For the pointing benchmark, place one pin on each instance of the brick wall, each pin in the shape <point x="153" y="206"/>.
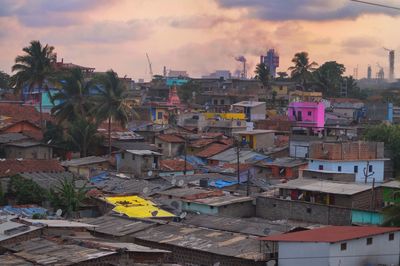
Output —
<point x="356" y="150"/>
<point x="281" y="209"/>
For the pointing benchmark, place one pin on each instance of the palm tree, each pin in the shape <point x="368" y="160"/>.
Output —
<point x="73" y="97"/>
<point x="301" y="71"/>
<point x="68" y="196"/>
<point x="83" y="134"/>
<point x="33" y="68"/>
<point x="110" y="102"/>
<point x="262" y="74"/>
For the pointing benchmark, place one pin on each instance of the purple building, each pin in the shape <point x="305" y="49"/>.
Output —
<point x="307" y="114"/>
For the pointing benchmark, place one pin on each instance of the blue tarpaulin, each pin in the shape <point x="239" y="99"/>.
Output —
<point x="23" y="211"/>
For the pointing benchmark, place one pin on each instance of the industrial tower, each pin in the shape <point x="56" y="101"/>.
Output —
<point x="391" y="63"/>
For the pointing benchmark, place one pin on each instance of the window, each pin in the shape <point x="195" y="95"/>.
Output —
<point x="215" y="102"/>
<point x="294" y="113"/>
<point x="309" y="113"/>
<point x="343" y="246"/>
<point x="369" y="241"/>
<point x="160" y="145"/>
<point x="159" y="115"/>
<point x="222" y="102"/>
<point x="370" y="168"/>
<point x="339" y="168"/>
<point x="211" y="207"/>
<point x="309" y="210"/>
<point x="355" y="168"/>
<point x="391" y="236"/>
<point x="123" y="155"/>
<point x="320" y="167"/>
<point x="133" y="157"/>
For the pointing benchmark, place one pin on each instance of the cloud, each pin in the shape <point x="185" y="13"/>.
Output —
<point x="46" y="13"/>
<point x="308" y="9"/>
<point x="358" y="44"/>
<point x="199" y="22"/>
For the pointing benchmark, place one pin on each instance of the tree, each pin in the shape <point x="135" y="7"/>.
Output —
<point x="188" y="90"/>
<point x="262" y="74"/>
<point x="353" y="90"/>
<point x="67" y="196"/>
<point x="302" y="69"/>
<point x="110" y="102"/>
<point x="25" y="191"/>
<point x="391" y="215"/>
<point x="4" y="80"/>
<point x="83" y="134"/>
<point x="329" y="76"/>
<point x="390" y="135"/>
<point x="73" y="97"/>
<point x="33" y="68"/>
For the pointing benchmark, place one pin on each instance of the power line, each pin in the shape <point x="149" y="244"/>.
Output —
<point x="376" y="4"/>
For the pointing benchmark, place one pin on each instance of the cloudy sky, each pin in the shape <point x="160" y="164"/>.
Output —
<point x="200" y="36"/>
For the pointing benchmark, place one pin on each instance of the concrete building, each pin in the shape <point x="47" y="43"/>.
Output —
<point x="307" y="114"/>
<point x="227" y="127"/>
<point x="138" y="162"/>
<point x="253" y="110"/>
<point x="280" y="168"/>
<point x="219" y="74"/>
<point x="337" y="245"/>
<point x="256" y="139"/>
<point x="170" y="144"/>
<point x="28" y="150"/>
<point x="364" y="159"/>
<point x="87" y="166"/>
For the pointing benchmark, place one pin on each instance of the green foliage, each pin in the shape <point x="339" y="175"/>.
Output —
<point x="391" y="215"/>
<point x="25" y="191"/>
<point x="33" y="67"/>
<point x="110" y="102"/>
<point x="262" y="74"/>
<point x="329" y="76"/>
<point x="67" y="196"/>
<point x="302" y="69"/>
<point x="2" y="196"/>
<point x="390" y="135"/>
<point x="82" y="134"/>
<point x="353" y="90"/>
<point x="186" y="91"/>
<point x="73" y="97"/>
<point x="37" y="216"/>
<point x="4" y="80"/>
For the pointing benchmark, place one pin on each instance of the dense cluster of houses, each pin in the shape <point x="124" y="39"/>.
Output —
<point x="235" y="178"/>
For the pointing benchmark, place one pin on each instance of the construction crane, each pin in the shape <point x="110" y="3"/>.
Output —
<point x="391" y="63"/>
<point x="150" y="68"/>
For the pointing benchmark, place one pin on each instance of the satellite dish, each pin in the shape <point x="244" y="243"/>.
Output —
<point x="180" y="183"/>
<point x="173" y="181"/>
<point x="150" y="173"/>
<point x="7" y="171"/>
<point x="49" y="141"/>
<point x="59" y="213"/>
<point x="145" y="190"/>
<point x="183" y="215"/>
<point x="154" y="213"/>
<point x="266" y="231"/>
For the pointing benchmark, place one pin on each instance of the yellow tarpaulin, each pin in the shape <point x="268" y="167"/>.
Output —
<point x="137" y="207"/>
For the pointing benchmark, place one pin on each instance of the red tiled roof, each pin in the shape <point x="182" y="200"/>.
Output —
<point x="170" y="138"/>
<point x="18" y="112"/>
<point x="213" y="149"/>
<point x="331" y="234"/>
<point x="12" y="166"/>
<point x="198" y="143"/>
<point x="227" y="141"/>
<point x="175" y="165"/>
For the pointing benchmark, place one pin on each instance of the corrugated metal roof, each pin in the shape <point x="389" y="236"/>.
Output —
<point x="325" y="186"/>
<point x="137" y="207"/>
<point x="143" y="152"/>
<point x="84" y="161"/>
<point x="332" y="234"/>
<point x="229" y="156"/>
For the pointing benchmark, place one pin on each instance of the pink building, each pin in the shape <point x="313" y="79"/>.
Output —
<point x="307" y="114"/>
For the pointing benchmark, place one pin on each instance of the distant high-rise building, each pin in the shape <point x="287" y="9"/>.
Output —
<point x="271" y="60"/>
<point x="391" y="65"/>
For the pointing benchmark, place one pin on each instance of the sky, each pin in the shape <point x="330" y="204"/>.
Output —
<point x="201" y="36"/>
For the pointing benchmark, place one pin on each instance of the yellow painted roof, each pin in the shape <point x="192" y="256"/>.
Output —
<point x="137" y="207"/>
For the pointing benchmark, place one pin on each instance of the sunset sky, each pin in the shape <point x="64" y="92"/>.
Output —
<point x="200" y="36"/>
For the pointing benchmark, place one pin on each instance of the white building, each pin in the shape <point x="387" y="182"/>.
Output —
<point x="337" y="245"/>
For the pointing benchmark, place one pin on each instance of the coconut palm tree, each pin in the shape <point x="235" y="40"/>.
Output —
<point x="262" y="74"/>
<point x="110" y="102"/>
<point x="301" y="71"/>
<point x="33" y="68"/>
<point x="73" y="97"/>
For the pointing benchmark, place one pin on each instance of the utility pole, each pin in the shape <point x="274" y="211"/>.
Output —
<point x="367" y="174"/>
<point x="238" y="161"/>
<point x="248" y="182"/>
<point x="185" y="156"/>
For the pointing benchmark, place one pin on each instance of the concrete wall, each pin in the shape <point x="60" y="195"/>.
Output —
<point x="298" y="148"/>
<point x="348" y="168"/>
<point x="380" y="252"/>
<point x="258" y="112"/>
<point x="136" y="164"/>
<point x="343" y="177"/>
<point x="264" y="140"/>
<point x="240" y="209"/>
<point x="280" y="209"/>
<point x="36" y="152"/>
<point x="312" y="114"/>
<point x="301" y="253"/>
